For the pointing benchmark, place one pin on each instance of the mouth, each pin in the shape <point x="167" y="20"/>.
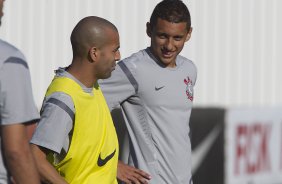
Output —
<point x="167" y="54"/>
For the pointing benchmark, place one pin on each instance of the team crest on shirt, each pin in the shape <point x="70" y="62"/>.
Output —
<point x="189" y="88"/>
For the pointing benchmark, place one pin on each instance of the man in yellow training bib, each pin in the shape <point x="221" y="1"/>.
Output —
<point x="75" y="140"/>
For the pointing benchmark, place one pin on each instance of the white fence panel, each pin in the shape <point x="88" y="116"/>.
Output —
<point x="236" y="44"/>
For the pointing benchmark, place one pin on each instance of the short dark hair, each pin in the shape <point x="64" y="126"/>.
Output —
<point x="172" y="11"/>
<point x="90" y="31"/>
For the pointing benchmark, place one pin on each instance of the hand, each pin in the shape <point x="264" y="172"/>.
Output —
<point x="129" y="175"/>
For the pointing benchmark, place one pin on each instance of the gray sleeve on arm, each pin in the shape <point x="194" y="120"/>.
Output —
<point x="56" y="122"/>
<point x="16" y="99"/>
<point x="119" y="87"/>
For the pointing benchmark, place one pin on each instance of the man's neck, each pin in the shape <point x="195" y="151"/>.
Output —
<point x="82" y="73"/>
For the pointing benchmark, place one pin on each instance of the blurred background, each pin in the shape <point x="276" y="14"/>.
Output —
<point x="236" y="46"/>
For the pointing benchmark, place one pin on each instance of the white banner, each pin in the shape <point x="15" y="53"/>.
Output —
<point x="253" y="146"/>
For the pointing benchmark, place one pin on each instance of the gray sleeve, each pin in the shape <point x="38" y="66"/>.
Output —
<point x="16" y="98"/>
<point x="57" y="116"/>
<point x="118" y="87"/>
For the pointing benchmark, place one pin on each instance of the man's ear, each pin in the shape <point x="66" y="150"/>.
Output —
<point x="188" y="36"/>
<point x="93" y="54"/>
<point x="148" y="29"/>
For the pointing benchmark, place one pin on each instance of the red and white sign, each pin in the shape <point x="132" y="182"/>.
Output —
<point x="253" y="146"/>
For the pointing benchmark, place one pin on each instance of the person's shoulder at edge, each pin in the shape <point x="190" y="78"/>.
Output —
<point x="8" y="50"/>
<point x="7" y="45"/>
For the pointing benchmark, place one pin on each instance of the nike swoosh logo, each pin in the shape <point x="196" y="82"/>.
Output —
<point x="201" y="151"/>
<point x="101" y="162"/>
<point x="158" y="88"/>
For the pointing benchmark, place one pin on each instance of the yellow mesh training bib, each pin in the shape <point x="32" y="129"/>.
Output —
<point x="93" y="153"/>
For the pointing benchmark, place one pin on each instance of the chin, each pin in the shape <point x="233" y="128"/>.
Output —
<point x="106" y="76"/>
<point x="167" y="62"/>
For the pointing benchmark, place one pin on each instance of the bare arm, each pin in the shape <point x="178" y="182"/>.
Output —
<point x="47" y="172"/>
<point x="30" y="128"/>
<point x="129" y="174"/>
<point x="18" y="155"/>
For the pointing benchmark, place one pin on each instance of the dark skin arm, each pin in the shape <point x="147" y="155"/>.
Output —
<point x="129" y="175"/>
<point x="17" y="153"/>
<point x="48" y="174"/>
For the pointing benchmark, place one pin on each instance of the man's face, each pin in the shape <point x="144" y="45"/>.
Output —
<point x="1" y="9"/>
<point x="167" y="40"/>
<point x="108" y="55"/>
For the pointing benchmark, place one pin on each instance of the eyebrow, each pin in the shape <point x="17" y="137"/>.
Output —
<point x="165" y="34"/>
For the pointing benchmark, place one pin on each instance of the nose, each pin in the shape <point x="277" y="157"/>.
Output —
<point x="117" y="56"/>
<point x="169" y="44"/>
